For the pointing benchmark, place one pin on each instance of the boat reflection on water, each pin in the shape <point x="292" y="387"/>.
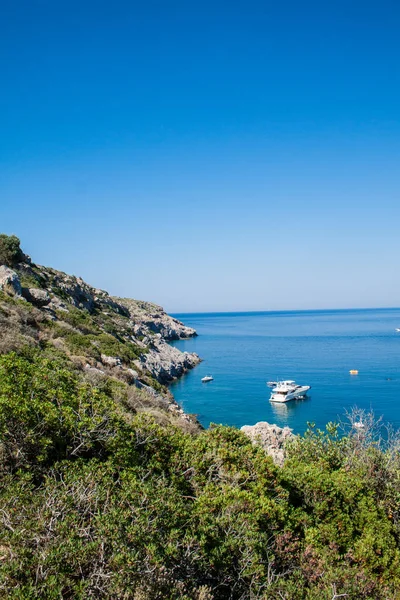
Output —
<point x="281" y="409"/>
<point x="285" y="409"/>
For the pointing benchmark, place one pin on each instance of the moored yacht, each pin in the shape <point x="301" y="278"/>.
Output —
<point x="207" y="378"/>
<point x="288" y="390"/>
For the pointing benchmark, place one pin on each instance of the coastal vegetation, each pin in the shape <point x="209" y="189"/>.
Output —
<point x="108" y="491"/>
<point x="100" y="500"/>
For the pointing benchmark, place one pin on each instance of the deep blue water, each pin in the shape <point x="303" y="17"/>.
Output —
<point x="244" y="350"/>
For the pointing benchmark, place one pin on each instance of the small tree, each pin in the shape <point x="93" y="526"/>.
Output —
<point x="10" y="250"/>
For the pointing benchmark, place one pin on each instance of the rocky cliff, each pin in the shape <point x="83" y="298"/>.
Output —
<point x="106" y="336"/>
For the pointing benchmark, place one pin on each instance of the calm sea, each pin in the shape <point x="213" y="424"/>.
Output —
<point x="242" y="351"/>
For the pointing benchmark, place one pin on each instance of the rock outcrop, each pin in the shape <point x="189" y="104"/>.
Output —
<point x="9" y="282"/>
<point x="270" y="437"/>
<point x="167" y="363"/>
<point x="153" y="318"/>
<point x="36" y="296"/>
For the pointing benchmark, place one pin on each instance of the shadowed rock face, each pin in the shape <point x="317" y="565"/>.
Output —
<point x="270" y="437"/>
<point x="36" y="297"/>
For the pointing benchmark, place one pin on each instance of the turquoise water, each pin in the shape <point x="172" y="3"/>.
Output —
<point x="244" y="350"/>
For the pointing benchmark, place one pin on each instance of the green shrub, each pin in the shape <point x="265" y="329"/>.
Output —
<point x="80" y="344"/>
<point x="111" y="346"/>
<point x="46" y="414"/>
<point x="10" y="250"/>
<point x="80" y="319"/>
<point x="29" y="280"/>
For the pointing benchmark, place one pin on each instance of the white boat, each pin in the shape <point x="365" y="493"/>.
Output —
<point x="271" y="383"/>
<point x="397" y="329"/>
<point x="288" y="390"/>
<point x="207" y="378"/>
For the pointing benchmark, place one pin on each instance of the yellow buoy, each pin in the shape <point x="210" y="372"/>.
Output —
<point x="353" y="372"/>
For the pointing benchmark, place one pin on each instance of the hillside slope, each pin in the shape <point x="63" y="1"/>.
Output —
<point x="102" y="335"/>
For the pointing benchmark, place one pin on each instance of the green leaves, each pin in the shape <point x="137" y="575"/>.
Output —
<point x="46" y="414"/>
<point x="10" y="250"/>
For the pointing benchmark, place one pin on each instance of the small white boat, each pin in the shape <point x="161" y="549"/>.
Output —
<point x="207" y="378"/>
<point x="288" y="390"/>
<point x="271" y="383"/>
<point x="397" y="329"/>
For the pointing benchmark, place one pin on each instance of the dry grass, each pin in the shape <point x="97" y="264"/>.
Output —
<point x="13" y="341"/>
<point x="15" y="331"/>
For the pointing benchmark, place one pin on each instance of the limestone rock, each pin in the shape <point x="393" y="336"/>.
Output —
<point x="78" y="294"/>
<point x="57" y="304"/>
<point x="93" y="370"/>
<point x="151" y="317"/>
<point x="36" y="296"/>
<point x="9" y="282"/>
<point x="167" y="363"/>
<point x="270" y="437"/>
<point x="134" y="374"/>
<point x="111" y="361"/>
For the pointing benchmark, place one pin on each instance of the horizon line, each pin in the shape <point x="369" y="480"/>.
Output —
<point x="305" y="310"/>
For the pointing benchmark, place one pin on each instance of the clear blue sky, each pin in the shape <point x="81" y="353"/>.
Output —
<point x="206" y="156"/>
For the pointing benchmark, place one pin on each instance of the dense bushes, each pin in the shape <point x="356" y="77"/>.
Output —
<point x="97" y="502"/>
<point x="59" y="417"/>
<point x="86" y="339"/>
<point x="10" y="250"/>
